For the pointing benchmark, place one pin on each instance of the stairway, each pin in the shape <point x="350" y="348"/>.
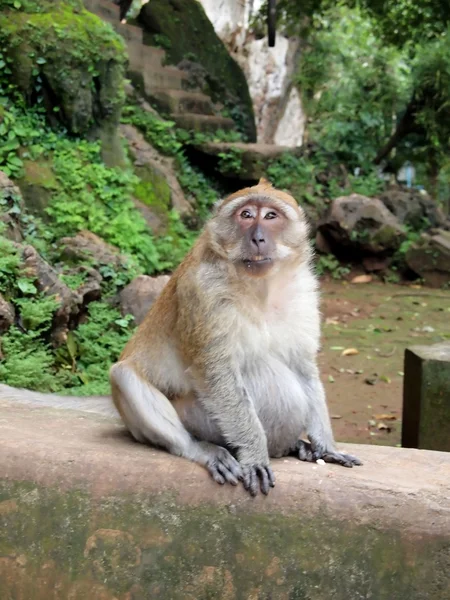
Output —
<point x="162" y="85"/>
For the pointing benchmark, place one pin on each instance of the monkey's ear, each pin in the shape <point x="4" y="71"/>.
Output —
<point x="263" y="181"/>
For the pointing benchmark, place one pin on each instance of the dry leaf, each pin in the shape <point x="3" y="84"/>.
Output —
<point x="362" y="279"/>
<point x="350" y="352"/>
<point x="383" y="427"/>
<point x="385" y="417"/>
<point x="336" y="416"/>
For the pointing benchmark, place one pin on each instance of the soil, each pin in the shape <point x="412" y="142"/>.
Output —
<point x="364" y="390"/>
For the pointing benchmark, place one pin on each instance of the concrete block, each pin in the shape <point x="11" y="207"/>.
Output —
<point x="426" y="397"/>
<point x="86" y="513"/>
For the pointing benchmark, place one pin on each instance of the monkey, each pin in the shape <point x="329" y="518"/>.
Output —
<point x="223" y="369"/>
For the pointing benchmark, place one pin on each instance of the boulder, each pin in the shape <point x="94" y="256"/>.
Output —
<point x="158" y="190"/>
<point x="430" y="258"/>
<point x="48" y="282"/>
<point x="412" y="207"/>
<point x="77" y="61"/>
<point x="7" y="315"/>
<point x="361" y="224"/>
<point x="138" y="296"/>
<point x="11" y="205"/>
<point x="85" y="246"/>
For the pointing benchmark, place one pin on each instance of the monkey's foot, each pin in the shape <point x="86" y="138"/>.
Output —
<point x="306" y="452"/>
<point x="222" y="466"/>
<point x="257" y="476"/>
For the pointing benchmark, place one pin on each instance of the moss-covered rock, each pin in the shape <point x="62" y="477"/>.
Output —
<point x="37" y="184"/>
<point x="186" y="32"/>
<point x="67" y="59"/>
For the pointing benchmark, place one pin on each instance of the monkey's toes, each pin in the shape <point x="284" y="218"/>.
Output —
<point x="346" y="460"/>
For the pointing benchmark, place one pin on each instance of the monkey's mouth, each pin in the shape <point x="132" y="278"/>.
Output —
<point x="257" y="261"/>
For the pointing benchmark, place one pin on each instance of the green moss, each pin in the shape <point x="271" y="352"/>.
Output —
<point x="68" y="60"/>
<point x="143" y="546"/>
<point x="153" y="191"/>
<point x="188" y="33"/>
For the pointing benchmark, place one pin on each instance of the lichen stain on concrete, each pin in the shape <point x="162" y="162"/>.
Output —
<point x="72" y="546"/>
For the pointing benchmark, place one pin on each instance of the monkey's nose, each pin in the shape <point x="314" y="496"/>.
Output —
<point x="258" y="241"/>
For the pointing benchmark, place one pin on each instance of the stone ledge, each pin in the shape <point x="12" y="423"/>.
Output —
<point x="77" y="496"/>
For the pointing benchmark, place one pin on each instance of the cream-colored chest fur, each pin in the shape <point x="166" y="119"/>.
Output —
<point x="282" y="322"/>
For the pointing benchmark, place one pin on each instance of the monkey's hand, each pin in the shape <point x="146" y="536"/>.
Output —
<point x="257" y="473"/>
<point x="222" y="466"/>
<point x="310" y="452"/>
<point x="258" y="476"/>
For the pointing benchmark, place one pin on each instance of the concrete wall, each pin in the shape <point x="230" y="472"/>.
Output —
<point x="87" y="514"/>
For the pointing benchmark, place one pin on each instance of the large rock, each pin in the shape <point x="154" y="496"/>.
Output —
<point x="138" y="296"/>
<point x="10" y="209"/>
<point x="86" y="246"/>
<point x="7" y="315"/>
<point x="76" y="58"/>
<point x="87" y="514"/>
<point x="430" y="258"/>
<point x="188" y="33"/>
<point x="413" y="207"/>
<point x="47" y="281"/>
<point x="361" y="224"/>
<point x="158" y="189"/>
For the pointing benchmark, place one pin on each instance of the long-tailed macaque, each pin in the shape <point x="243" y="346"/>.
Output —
<point x="223" y="370"/>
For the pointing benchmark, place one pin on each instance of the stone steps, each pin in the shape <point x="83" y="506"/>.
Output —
<point x="161" y="84"/>
<point x="176" y="101"/>
<point x="254" y="157"/>
<point x="202" y="123"/>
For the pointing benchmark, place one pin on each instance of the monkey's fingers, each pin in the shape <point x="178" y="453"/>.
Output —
<point x="346" y="460"/>
<point x="257" y="477"/>
<point x="223" y="466"/>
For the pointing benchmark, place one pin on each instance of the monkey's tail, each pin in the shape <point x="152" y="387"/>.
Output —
<point x="101" y="405"/>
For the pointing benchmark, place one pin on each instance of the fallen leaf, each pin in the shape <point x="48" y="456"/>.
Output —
<point x="337" y="348"/>
<point x="331" y="378"/>
<point x="362" y="279"/>
<point x="336" y="416"/>
<point x="383" y="427"/>
<point x="349" y="352"/>
<point x="371" y="380"/>
<point x="385" y="417"/>
<point x="332" y="321"/>
<point x="371" y="423"/>
<point x="385" y="379"/>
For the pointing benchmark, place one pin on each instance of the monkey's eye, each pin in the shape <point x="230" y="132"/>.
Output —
<point x="246" y="214"/>
<point x="271" y="215"/>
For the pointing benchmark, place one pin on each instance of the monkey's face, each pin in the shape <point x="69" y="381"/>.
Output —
<point x="261" y="230"/>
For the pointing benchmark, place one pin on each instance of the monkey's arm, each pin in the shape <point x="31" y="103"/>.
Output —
<point x="318" y="426"/>
<point x="225" y="398"/>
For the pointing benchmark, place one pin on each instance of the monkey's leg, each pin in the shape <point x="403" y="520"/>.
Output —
<point x="318" y="428"/>
<point x="150" y="417"/>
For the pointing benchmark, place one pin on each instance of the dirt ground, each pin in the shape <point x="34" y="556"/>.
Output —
<point x="364" y="389"/>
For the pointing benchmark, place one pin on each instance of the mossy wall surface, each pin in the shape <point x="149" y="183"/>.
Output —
<point x="67" y="59"/>
<point x="188" y="33"/>
<point x="65" y="544"/>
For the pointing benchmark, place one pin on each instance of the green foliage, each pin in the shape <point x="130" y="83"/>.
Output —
<point x="94" y="346"/>
<point x="175" y="244"/>
<point x="316" y="177"/>
<point x="158" y="132"/>
<point x="230" y="161"/>
<point x="169" y="140"/>
<point x="327" y="263"/>
<point x="353" y="85"/>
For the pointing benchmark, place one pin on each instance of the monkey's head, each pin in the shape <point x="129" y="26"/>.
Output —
<point x="260" y="229"/>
